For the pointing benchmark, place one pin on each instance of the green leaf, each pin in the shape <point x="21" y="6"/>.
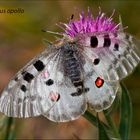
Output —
<point x="3" y="120"/>
<point x="114" y="106"/>
<point x="113" y="131"/>
<point x="10" y="129"/>
<point x="125" y="114"/>
<point x="102" y="131"/>
<point x="93" y="120"/>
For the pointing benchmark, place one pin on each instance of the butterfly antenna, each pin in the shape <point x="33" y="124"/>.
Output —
<point x="121" y="28"/>
<point x="72" y="16"/>
<point x="56" y="37"/>
<point x="51" y="32"/>
<point x="45" y="41"/>
<point x="121" y="25"/>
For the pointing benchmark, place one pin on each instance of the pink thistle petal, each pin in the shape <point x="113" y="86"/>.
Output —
<point x="89" y="24"/>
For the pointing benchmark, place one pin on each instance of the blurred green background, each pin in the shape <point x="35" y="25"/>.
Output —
<point x="21" y="39"/>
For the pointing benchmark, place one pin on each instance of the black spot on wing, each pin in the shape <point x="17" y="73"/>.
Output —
<point x="93" y="41"/>
<point x="107" y="41"/>
<point x="86" y="89"/>
<point x="58" y="98"/>
<point x="80" y="91"/>
<point x="76" y="94"/>
<point x="28" y="77"/>
<point x="78" y="83"/>
<point x="49" y="82"/>
<point x="116" y="47"/>
<point x="23" y="72"/>
<point x="96" y="61"/>
<point x="23" y="88"/>
<point x="39" y="65"/>
<point x="16" y="79"/>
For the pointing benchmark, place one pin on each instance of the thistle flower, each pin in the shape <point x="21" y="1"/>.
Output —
<point x="89" y="24"/>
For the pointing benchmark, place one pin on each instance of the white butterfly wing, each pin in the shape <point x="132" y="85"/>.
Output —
<point x="27" y="95"/>
<point x="101" y="98"/>
<point x="109" y="63"/>
<point x="101" y="93"/>
<point x="41" y="88"/>
<point x="118" y="59"/>
<point x="68" y="107"/>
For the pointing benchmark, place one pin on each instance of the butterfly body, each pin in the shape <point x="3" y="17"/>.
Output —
<point x="72" y="66"/>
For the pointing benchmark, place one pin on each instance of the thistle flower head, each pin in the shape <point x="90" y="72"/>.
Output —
<point x="90" y="24"/>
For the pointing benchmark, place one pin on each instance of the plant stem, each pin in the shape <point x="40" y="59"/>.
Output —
<point x="112" y="126"/>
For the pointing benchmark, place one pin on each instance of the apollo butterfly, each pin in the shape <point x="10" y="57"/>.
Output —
<point x="84" y="66"/>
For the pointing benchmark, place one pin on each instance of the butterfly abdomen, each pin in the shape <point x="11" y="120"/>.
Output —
<point x="72" y="70"/>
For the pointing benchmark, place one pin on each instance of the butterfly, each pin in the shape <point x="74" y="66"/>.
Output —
<point x="71" y="73"/>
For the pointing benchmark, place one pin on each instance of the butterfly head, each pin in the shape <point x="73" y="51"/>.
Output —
<point x="66" y="39"/>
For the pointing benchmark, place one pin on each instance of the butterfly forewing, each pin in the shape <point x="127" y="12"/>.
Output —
<point x="114" y="56"/>
<point x="27" y="94"/>
<point x="108" y="58"/>
<point x="42" y="87"/>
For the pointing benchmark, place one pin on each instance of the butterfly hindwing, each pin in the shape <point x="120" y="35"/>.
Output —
<point x="73" y="103"/>
<point x="69" y="107"/>
<point x="101" y="93"/>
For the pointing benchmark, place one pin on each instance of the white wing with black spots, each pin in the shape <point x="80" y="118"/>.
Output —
<point x="27" y="94"/>
<point x="41" y="88"/>
<point x="68" y="107"/>
<point x="62" y="80"/>
<point x="101" y="93"/>
<point x="114" y="56"/>
<point x="101" y="98"/>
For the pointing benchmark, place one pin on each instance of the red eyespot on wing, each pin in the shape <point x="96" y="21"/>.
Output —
<point x="99" y="82"/>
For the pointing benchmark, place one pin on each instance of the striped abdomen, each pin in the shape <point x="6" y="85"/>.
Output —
<point x="72" y="70"/>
